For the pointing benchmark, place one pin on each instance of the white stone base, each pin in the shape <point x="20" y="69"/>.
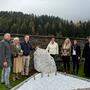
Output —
<point x="54" y="82"/>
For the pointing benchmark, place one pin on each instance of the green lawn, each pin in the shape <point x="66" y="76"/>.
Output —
<point x="3" y="87"/>
<point x="13" y="83"/>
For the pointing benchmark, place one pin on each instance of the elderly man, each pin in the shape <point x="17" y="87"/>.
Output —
<point x="5" y="59"/>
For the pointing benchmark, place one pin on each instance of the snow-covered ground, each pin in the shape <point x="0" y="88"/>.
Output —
<point x="54" y="82"/>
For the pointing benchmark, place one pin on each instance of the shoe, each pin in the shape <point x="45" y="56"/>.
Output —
<point x="2" y="83"/>
<point x="9" y="86"/>
<point x="17" y="78"/>
<point x="14" y="78"/>
<point x="26" y="76"/>
<point x="65" y="73"/>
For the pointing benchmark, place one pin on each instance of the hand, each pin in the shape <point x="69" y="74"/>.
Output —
<point x="15" y="55"/>
<point x="5" y="64"/>
<point x="20" y="54"/>
<point x="78" y="58"/>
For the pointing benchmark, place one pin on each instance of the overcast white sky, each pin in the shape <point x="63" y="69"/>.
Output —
<point x="67" y="9"/>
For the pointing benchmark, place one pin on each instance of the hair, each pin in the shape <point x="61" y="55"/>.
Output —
<point x="16" y="38"/>
<point x="88" y="37"/>
<point x="75" y="40"/>
<point x="26" y="35"/>
<point x="65" y="45"/>
<point x="52" y="36"/>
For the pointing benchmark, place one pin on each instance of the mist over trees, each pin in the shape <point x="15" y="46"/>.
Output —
<point x="19" y="23"/>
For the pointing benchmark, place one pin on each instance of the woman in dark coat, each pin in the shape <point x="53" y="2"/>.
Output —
<point x="86" y="55"/>
<point x="75" y="54"/>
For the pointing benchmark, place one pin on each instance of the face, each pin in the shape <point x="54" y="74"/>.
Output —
<point x="7" y="37"/>
<point x="67" y="41"/>
<point x="53" y="40"/>
<point x="75" y="42"/>
<point x="16" y="42"/>
<point x="89" y="39"/>
<point x="26" y="38"/>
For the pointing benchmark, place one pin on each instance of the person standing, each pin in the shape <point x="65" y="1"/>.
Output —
<point x="86" y="55"/>
<point x="53" y="49"/>
<point x="66" y="53"/>
<point x="17" y="55"/>
<point x="5" y="59"/>
<point x="26" y="47"/>
<point x="75" y="53"/>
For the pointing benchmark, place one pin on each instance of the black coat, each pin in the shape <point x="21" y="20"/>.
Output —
<point x="26" y="47"/>
<point x="86" y="51"/>
<point x="86" y="55"/>
<point x="77" y="49"/>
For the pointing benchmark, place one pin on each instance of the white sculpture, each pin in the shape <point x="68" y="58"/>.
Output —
<point x="43" y="62"/>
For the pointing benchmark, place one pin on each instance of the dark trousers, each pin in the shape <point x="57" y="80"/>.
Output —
<point x="66" y="63"/>
<point x="54" y="56"/>
<point x="75" y="62"/>
<point x="87" y="67"/>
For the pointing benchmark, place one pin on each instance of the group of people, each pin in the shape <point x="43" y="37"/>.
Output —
<point x="20" y="52"/>
<point x="71" y="51"/>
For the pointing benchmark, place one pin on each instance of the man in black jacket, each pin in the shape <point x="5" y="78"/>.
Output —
<point x="75" y="53"/>
<point x="26" y="47"/>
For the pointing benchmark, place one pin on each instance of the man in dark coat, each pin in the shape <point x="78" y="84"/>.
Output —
<point x="86" y="55"/>
<point x="27" y="48"/>
<point x="75" y="53"/>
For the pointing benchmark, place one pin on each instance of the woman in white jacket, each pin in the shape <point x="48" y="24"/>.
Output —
<point x="53" y="48"/>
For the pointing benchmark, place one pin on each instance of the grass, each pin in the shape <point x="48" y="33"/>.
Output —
<point x="14" y="83"/>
